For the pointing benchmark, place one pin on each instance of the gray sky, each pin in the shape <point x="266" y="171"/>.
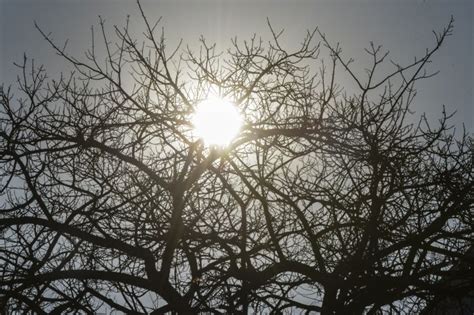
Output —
<point x="404" y="27"/>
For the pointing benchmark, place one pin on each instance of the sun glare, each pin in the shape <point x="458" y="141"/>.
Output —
<point x="216" y="121"/>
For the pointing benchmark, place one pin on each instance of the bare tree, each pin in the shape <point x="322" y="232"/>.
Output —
<point x="327" y="201"/>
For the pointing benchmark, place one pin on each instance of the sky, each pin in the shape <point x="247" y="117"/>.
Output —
<point x="404" y="27"/>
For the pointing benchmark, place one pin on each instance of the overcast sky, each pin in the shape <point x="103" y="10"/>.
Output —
<point x="404" y="27"/>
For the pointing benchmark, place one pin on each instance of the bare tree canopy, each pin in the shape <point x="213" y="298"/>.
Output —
<point x="329" y="200"/>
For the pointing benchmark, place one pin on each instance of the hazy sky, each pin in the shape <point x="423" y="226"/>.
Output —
<point x="402" y="26"/>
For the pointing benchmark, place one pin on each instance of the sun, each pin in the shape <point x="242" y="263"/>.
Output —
<point x="216" y="121"/>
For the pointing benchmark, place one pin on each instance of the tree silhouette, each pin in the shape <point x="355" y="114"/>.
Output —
<point x="327" y="201"/>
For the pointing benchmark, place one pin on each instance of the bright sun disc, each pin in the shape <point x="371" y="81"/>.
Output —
<point x="216" y="122"/>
